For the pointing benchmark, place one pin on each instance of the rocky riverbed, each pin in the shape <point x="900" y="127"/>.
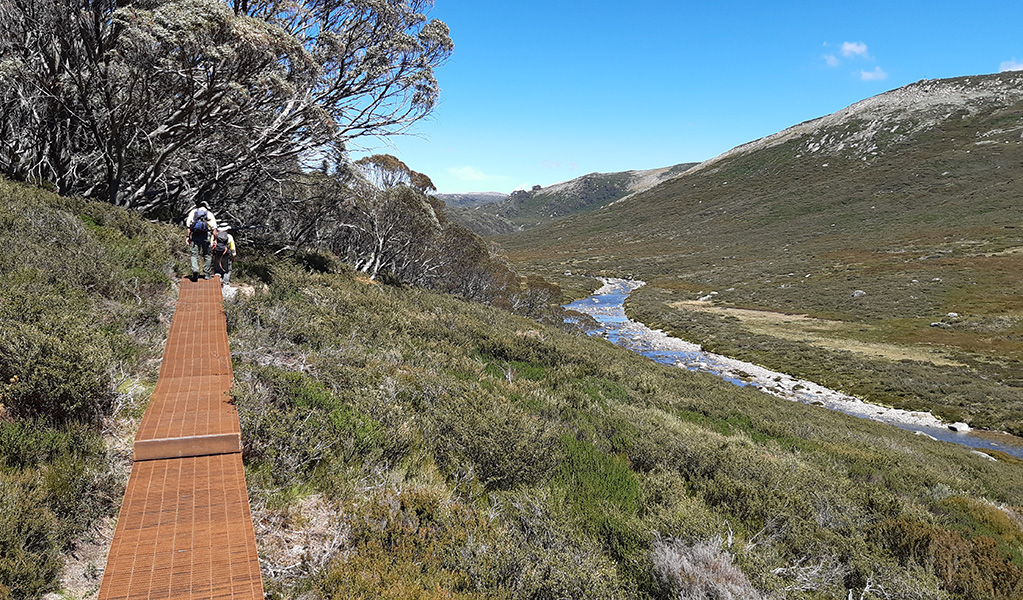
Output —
<point x="606" y="306"/>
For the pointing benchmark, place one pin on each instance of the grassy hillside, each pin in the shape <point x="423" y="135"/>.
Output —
<point x="893" y="226"/>
<point x="405" y="444"/>
<point x="84" y="302"/>
<point x="420" y="447"/>
<point x="471" y="199"/>
<point x="525" y="209"/>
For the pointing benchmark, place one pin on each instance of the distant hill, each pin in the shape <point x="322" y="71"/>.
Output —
<point x="525" y="209"/>
<point x="884" y="219"/>
<point x="471" y="199"/>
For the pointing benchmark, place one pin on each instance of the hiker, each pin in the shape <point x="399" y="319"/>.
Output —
<point x="223" y="255"/>
<point x="202" y="227"/>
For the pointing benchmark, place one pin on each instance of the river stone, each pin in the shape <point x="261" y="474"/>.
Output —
<point x="959" y="427"/>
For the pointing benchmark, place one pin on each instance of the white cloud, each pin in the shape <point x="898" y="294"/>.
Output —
<point x="831" y="60"/>
<point x="877" y="74"/>
<point x="469" y="174"/>
<point x="851" y="49"/>
<point x="1011" y="65"/>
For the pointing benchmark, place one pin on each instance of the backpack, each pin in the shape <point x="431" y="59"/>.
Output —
<point x="222" y="248"/>
<point x="200" y="229"/>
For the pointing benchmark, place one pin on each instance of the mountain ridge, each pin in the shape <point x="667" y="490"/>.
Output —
<point x="524" y="209"/>
<point x="932" y="93"/>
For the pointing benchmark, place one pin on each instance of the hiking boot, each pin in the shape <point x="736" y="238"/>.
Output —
<point x="195" y="275"/>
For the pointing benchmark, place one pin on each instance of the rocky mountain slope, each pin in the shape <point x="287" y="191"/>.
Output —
<point x="525" y="209"/>
<point x="895" y="222"/>
<point x="878" y="124"/>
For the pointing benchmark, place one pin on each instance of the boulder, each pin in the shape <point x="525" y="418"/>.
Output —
<point x="859" y="294"/>
<point x="959" y="427"/>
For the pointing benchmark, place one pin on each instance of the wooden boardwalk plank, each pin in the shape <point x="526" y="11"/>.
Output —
<point x="185" y="531"/>
<point x="185" y="528"/>
<point x="191" y="396"/>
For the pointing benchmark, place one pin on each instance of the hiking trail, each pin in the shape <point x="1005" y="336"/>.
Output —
<point x="185" y="527"/>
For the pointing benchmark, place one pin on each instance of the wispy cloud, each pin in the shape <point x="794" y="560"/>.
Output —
<point x="1011" y="65"/>
<point x="877" y="74"/>
<point x="855" y="49"/>
<point x="468" y="173"/>
<point x="850" y="51"/>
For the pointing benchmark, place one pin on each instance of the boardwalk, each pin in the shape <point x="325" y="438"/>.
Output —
<point x="185" y="530"/>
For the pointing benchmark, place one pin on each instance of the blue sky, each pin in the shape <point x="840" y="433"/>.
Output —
<point x="542" y="92"/>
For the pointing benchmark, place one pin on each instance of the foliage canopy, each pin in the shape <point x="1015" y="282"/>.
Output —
<point x="153" y="103"/>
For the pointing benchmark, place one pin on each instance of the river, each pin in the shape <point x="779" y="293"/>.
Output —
<point x="607" y="307"/>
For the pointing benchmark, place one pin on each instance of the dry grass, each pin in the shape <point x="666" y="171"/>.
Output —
<point x="821" y="333"/>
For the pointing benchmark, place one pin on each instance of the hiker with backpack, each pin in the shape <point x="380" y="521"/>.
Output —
<point x="223" y="255"/>
<point x="202" y="227"/>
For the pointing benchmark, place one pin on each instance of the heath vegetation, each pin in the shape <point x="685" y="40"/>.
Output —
<point x="85" y="294"/>
<point x="467" y="452"/>
<point x="401" y="442"/>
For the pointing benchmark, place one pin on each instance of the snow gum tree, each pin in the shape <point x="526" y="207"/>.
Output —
<point x="382" y="221"/>
<point x="151" y="104"/>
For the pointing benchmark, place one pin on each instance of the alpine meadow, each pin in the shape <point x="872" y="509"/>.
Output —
<point x="420" y="415"/>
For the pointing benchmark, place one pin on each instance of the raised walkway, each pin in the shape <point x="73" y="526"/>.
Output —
<point x="185" y="528"/>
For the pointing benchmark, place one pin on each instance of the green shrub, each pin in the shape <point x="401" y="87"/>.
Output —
<point x="297" y="427"/>
<point x="404" y="544"/>
<point x="83" y="287"/>
<point x="29" y="550"/>
<point x="54" y="483"/>
<point x="53" y="361"/>
<point x="970" y="567"/>
<point x="472" y="430"/>
<point x="532" y="552"/>
<point x="27" y="444"/>
<point x="672" y="512"/>
<point x="597" y="482"/>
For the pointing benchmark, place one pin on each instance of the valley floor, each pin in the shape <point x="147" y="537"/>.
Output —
<point x="822" y="333"/>
<point x="607" y="307"/>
